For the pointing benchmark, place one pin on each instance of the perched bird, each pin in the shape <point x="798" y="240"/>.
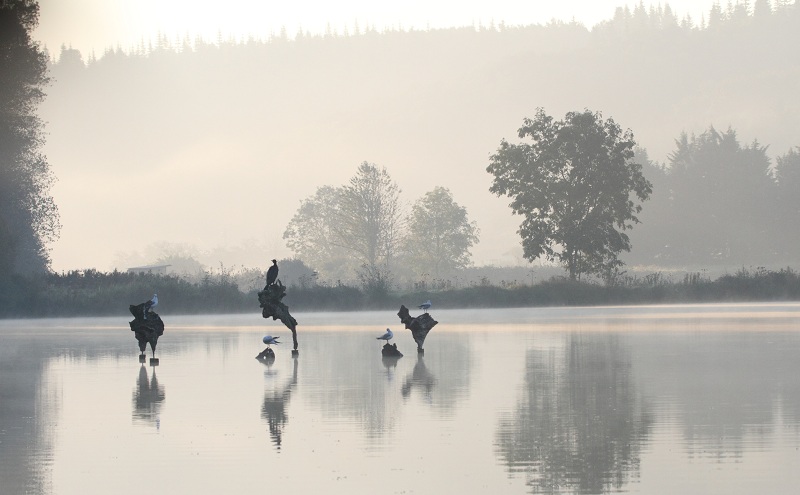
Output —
<point x="152" y="303"/>
<point x="272" y="273"/>
<point x="269" y="340"/>
<point x="387" y="336"/>
<point x="425" y="306"/>
<point x="149" y="305"/>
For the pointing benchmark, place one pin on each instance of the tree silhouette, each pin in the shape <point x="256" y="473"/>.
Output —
<point x="368" y="223"/>
<point x="722" y="199"/>
<point x="439" y="234"/>
<point x="310" y="235"/>
<point x="575" y="185"/>
<point x="358" y="224"/>
<point x="28" y="215"/>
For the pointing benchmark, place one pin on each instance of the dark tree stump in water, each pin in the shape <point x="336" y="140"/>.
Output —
<point x="147" y="328"/>
<point x="272" y="307"/>
<point x="419" y="325"/>
<point x="390" y="350"/>
<point x="266" y="356"/>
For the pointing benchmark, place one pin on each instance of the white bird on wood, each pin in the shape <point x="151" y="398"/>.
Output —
<point x="425" y="306"/>
<point x="149" y="305"/>
<point x="387" y="336"/>
<point x="269" y="340"/>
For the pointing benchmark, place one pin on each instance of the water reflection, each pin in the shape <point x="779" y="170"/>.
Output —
<point x="732" y="392"/>
<point x="441" y="376"/>
<point x="148" y="397"/>
<point x="579" y="424"/>
<point x="349" y="382"/>
<point x="273" y="409"/>
<point x="354" y="383"/>
<point x="716" y="401"/>
<point x="27" y="407"/>
<point x="390" y="363"/>
<point x="420" y="379"/>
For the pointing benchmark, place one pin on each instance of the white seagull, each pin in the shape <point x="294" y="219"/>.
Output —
<point x="425" y="306"/>
<point x="387" y="336"/>
<point x="269" y="339"/>
<point x="149" y="305"/>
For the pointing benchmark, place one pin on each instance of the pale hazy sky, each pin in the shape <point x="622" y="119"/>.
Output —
<point x="99" y="24"/>
<point x="95" y="25"/>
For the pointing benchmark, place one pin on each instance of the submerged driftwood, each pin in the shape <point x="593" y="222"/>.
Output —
<point x="147" y="327"/>
<point x="419" y="325"/>
<point x="272" y="307"/>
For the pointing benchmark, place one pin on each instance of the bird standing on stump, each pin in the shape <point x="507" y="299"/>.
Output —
<point x="425" y="306"/>
<point x="387" y="336"/>
<point x="149" y="305"/>
<point x="272" y="273"/>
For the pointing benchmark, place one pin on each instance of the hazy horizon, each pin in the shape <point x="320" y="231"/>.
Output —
<point x="93" y="26"/>
<point x="219" y="139"/>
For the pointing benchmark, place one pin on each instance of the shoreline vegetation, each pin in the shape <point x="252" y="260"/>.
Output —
<point x="93" y="293"/>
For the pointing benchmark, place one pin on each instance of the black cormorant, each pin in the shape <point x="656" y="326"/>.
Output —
<point x="272" y="273"/>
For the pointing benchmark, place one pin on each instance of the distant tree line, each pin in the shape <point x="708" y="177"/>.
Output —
<point x="360" y="230"/>
<point x="581" y="185"/>
<point x="718" y="202"/>
<point x="733" y="15"/>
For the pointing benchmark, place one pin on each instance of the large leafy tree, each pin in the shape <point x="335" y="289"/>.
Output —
<point x="440" y="234"/>
<point x="312" y="238"/>
<point x="369" y="223"/>
<point x="28" y="214"/>
<point x="576" y="185"/>
<point x="355" y="227"/>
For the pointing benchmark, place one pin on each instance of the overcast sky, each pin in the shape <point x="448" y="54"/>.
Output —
<point x="99" y="24"/>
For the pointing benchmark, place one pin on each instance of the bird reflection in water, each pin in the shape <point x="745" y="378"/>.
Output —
<point x="390" y="363"/>
<point x="274" y="408"/>
<point x="268" y="360"/>
<point x="148" y="398"/>
<point x="421" y="379"/>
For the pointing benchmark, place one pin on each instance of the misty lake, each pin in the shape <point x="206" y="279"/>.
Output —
<point x="688" y="399"/>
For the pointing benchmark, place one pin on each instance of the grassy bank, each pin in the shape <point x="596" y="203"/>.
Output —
<point x="92" y="293"/>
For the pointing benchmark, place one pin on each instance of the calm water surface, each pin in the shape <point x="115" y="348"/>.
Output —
<point x="658" y="399"/>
